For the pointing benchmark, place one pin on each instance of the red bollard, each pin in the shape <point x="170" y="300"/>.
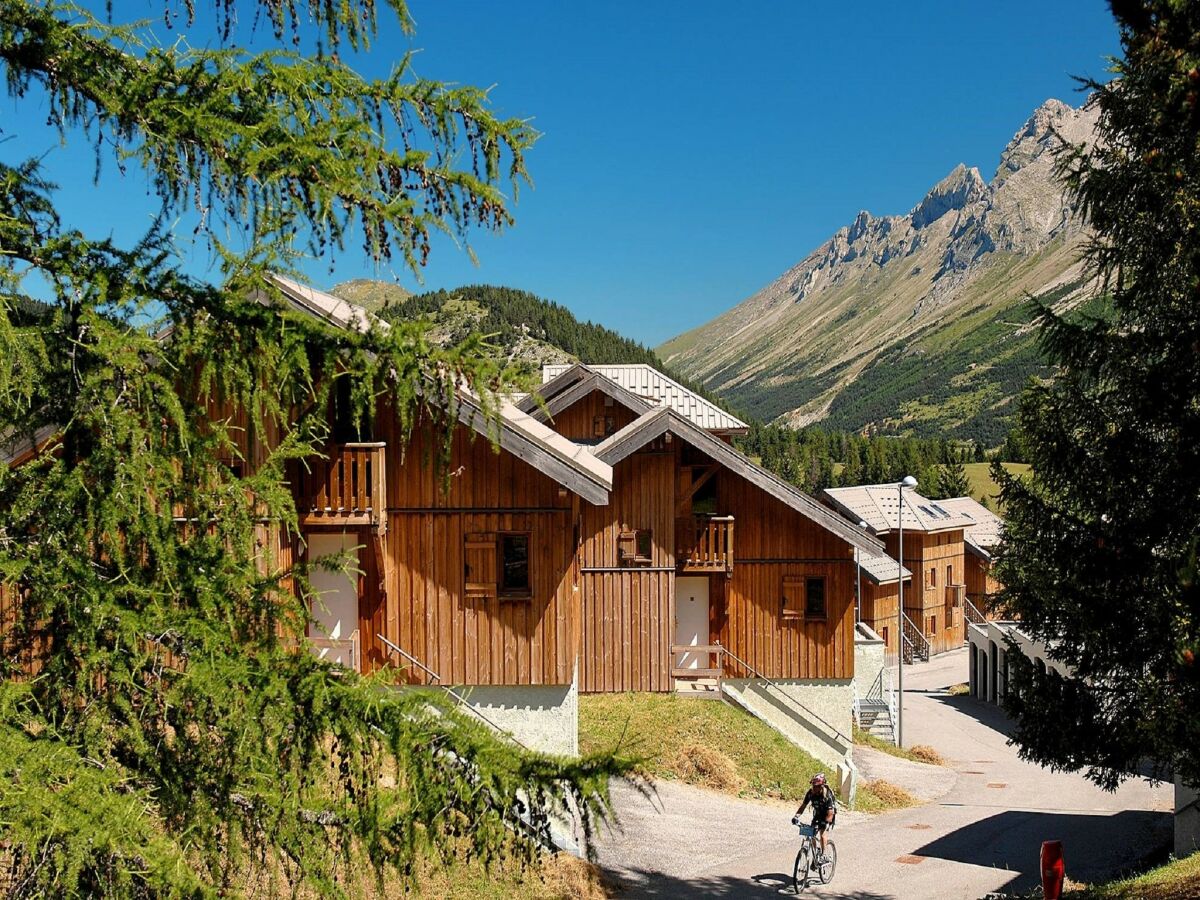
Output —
<point x="1052" y="869"/>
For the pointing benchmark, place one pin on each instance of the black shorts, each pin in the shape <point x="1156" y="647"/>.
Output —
<point x="820" y="824"/>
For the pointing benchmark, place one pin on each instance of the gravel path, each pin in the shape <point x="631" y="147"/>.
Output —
<point x="982" y="833"/>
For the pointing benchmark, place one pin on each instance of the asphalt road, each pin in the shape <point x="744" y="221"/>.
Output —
<point x="982" y="835"/>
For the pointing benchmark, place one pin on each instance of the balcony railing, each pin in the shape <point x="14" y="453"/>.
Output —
<point x="347" y="487"/>
<point x="704" y="544"/>
<point x="955" y="594"/>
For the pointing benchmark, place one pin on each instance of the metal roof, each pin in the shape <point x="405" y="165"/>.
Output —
<point x="986" y="533"/>
<point x="647" y="382"/>
<point x="882" y="569"/>
<point x="878" y="505"/>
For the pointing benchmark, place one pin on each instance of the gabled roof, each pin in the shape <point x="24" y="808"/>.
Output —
<point x="568" y="463"/>
<point x="882" y="569"/>
<point x="571" y="386"/>
<point x="665" y="419"/>
<point x="650" y="384"/>
<point x="986" y="533"/>
<point x="333" y="310"/>
<point x="878" y="504"/>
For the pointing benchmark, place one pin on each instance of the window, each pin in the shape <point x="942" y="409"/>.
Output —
<point x="348" y="427"/>
<point x="814" y="598"/>
<point x="949" y="575"/>
<point x="635" y="548"/>
<point x="514" y="565"/>
<point x="603" y="425"/>
<point x="803" y="598"/>
<point x="933" y="577"/>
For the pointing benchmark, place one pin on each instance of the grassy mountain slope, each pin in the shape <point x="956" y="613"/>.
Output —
<point x="915" y="324"/>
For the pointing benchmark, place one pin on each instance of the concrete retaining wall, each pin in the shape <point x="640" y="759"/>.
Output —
<point x="1187" y="819"/>
<point x="542" y="717"/>
<point x="869" y="658"/>
<point x="831" y="700"/>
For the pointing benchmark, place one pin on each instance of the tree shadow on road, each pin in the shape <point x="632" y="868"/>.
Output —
<point x="1096" y="846"/>
<point x="643" y="883"/>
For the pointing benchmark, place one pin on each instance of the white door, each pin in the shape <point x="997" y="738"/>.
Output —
<point x="335" y="611"/>
<point x="691" y="621"/>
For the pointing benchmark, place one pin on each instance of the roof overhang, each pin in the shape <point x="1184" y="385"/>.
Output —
<point x="655" y="424"/>
<point x="568" y="463"/>
<point x="565" y="390"/>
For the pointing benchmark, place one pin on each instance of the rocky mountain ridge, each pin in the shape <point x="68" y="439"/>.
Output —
<point x="969" y="246"/>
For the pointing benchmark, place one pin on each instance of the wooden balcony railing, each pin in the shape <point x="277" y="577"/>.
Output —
<point x="688" y="658"/>
<point x="955" y="595"/>
<point x="347" y="487"/>
<point x="704" y="544"/>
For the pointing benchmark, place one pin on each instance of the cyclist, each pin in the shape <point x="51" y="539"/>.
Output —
<point x="824" y="804"/>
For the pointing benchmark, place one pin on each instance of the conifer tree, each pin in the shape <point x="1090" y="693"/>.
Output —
<point x="176" y="741"/>
<point x="1101" y="542"/>
<point x="950" y="481"/>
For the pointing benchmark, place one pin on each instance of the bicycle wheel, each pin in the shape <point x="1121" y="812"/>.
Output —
<point x="826" y="870"/>
<point x="800" y="870"/>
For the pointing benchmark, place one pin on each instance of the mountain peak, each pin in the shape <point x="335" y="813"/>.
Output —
<point x="958" y="190"/>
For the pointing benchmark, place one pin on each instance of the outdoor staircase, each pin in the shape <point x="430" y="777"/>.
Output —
<point x="914" y="645"/>
<point x="875" y="717"/>
<point x="875" y="710"/>
<point x="693" y="680"/>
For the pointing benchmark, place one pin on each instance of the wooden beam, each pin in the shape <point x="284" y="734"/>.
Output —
<point x="697" y="483"/>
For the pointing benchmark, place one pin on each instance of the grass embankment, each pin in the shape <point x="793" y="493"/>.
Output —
<point x="1177" y="880"/>
<point x="981" y="484"/>
<point x="921" y="753"/>
<point x="710" y="744"/>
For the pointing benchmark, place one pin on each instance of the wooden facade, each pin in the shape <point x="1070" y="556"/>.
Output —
<point x="881" y="611"/>
<point x="981" y="585"/>
<point x="934" y="598"/>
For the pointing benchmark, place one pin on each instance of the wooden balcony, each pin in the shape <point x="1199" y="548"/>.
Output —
<point x="347" y="487"/>
<point x="955" y="594"/>
<point x="704" y="544"/>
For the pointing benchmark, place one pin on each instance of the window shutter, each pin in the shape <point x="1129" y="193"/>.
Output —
<point x="793" y="596"/>
<point x="479" y="564"/>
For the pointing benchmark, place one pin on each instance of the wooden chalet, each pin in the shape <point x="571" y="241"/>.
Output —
<point x="602" y="535"/>
<point x="702" y="564"/>
<point x="980" y="541"/>
<point x="934" y="599"/>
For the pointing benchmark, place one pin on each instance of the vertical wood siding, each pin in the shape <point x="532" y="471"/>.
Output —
<point x="629" y="614"/>
<point x="923" y="602"/>
<point x="575" y="422"/>
<point x="424" y="608"/>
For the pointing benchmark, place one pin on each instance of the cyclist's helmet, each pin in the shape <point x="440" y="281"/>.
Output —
<point x="818" y="779"/>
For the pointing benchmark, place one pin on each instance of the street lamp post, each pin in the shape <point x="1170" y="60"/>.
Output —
<point x="907" y="482"/>
<point x="858" y="579"/>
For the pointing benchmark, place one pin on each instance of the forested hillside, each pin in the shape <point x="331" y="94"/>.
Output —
<point x="513" y="315"/>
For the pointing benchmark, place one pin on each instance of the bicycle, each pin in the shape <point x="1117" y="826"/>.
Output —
<point x="810" y="847"/>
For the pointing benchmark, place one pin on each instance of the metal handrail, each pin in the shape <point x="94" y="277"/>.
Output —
<point x="761" y="677"/>
<point x="974" y="616"/>
<point x="462" y="701"/>
<point x="907" y="624"/>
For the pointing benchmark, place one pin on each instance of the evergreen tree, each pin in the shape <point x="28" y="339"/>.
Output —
<point x="177" y="740"/>
<point x="950" y="481"/>
<point x="1101" y="542"/>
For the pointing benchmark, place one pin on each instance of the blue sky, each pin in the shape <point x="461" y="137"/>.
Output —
<point x="691" y="151"/>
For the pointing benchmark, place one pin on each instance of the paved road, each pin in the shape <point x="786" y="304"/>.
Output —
<point x="982" y="835"/>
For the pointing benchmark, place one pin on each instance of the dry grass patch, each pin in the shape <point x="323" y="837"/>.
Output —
<point x="884" y="795"/>
<point x="707" y="766"/>
<point x="921" y="753"/>
<point x="558" y="877"/>
<point x="1177" y="880"/>
<point x="959" y="690"/>
<point x="926" y="754"/>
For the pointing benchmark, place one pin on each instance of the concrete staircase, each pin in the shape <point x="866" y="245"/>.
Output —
<point x="875" y="717"/>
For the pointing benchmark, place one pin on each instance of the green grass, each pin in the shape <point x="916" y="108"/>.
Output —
<point x="663" y="730"/>
<point x="866" y="739"/>
<point x="1177" y="880"/>
<point x="979" y="477"/>
<point x="711" y="744"/>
